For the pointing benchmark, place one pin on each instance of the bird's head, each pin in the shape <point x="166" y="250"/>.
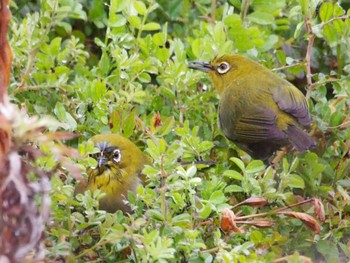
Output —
<point x="116" y="156"/>
<point x="108" y="158"/>
<point x="223" y="70"/>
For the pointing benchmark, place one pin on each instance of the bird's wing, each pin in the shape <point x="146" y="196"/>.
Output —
<point x="290" y="100"/>
<point x="256" y="125"/>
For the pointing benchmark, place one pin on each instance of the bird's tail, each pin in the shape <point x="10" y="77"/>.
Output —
<point x="300" y="139"/>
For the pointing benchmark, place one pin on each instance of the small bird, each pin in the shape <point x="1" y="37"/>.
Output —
<point x="258" y="110"/>
<point x="119" y="170"/>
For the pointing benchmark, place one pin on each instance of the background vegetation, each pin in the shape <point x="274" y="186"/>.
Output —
<point x="121" y="66"/>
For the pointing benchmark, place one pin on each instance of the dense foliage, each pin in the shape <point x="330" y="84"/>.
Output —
<point x="121" y="66"/>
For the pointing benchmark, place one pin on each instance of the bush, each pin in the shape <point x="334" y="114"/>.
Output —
<point x="121" y="67"/>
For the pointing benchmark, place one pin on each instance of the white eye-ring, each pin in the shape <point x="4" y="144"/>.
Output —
<point x="117" y="156"/>
<point x="223" y="68"/>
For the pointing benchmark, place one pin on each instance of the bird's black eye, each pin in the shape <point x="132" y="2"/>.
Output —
<point x="223" y="68"/>
<point x="116" y="156"/>
<point x="93" y="155"/>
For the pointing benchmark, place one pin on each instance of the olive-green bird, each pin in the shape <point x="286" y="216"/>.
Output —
<point x="258" y="110"/>
<point x="118" y="171"/>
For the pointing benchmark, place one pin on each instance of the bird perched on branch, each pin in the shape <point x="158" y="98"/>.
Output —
<point x="258" y="110"/>
<point x="118" y="171"/>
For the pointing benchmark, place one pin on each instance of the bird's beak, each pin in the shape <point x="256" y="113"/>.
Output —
<point x="101" y="161"/>
<point x="200" y="65"/>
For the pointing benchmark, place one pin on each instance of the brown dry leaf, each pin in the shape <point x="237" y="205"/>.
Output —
<point x="255" y="201"/>
<point x="319" y="210"/>
<point x="228" y="221"/>
<point x="210" y="221"/>
<point x="156" y="121"/>
<point x="305" y="218"/>
<point x="262" y="223"/>
<point x="61" y="135"/>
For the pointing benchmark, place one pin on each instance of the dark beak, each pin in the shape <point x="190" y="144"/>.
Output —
<point x="200" y="65"/>
<point x="101" y="161"/>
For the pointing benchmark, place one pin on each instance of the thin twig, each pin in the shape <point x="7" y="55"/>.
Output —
<point x="312" y="87"/>
<point x="244" y="9"/>
<point x="308" y="56"/>
<point x="293" y="205"/>
<point x="333" y="19"/>
<point x="162" y="188"/>
<point x="213" y="10"/>
<point x="274" y="211"/>
<point x="289" y="66"/>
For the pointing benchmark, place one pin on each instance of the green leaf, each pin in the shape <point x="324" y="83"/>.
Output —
<point x="233" y="189"/>
<point x="151" y="26"/>
<point x="60" y="111"/>
<point x="78" y="12"/>
<point x="118" y="5"/>
<point x="117" y="21"/>
<point x="304" y="6"/>
<point x="295" y="181"/>
<point x="270" y="6"/>
<point x="97" y="10"/>
<point x="167" y="126"/>
<point x="129" y="124"/>
<point x="163" y="54"/>
<point x="135" y="21"/>
<point x="281" y="56"/>
<point x="67" y="28"/>
<point x="236" y="3"/>
<point x="140" y="7"/>
<point x="190" y="172"/>
<point x="326" y="11"/>
<point x="294" y="164"/>
<point x="144" y="77"/>
<point x="155" y="214"/>
<point x="238" y="162"/>
<point x="256" y="237"/>
<point x="99" y="42"/>
<point x="233" y="174"/>
<point x="233" y="20"/>
<point x="205" y="210"/>
<point x="285" y="165"/>
<point x="182" y="219"/>
<point x="261" y="18"/>
<point x="104" y="64"/>
<point x="331" y="35"/>
<point x="217" y="197"/>
<point x="298" y="28"/>
<point x="98" y="90"/>
<point x="329" y="250"/>
<point x="336" y="119"/>
<point x="65" y="117"/>
<point x="55" y="46"/>
<point x="159" y="39"/>
<point x="255" y="166"/>
<point x="205" y="146"/>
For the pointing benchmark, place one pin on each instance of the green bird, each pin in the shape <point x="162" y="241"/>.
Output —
<point x="259" y="111"/>
<point x="118" y="171"/>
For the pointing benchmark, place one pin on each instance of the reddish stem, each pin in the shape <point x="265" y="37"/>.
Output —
<point x="308" y="56"/>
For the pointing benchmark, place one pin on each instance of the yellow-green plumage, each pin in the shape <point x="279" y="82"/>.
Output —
<point x="258" y="110"/>
<point x="119" y="170"/>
